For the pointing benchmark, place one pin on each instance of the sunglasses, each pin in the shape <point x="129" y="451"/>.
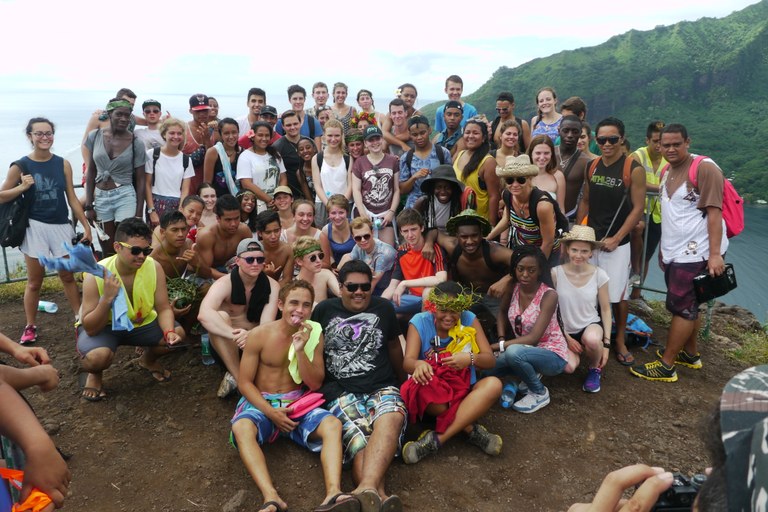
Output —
<point x="520" y="179"/>
<point x="314" y="257"/>
<point x="360" y="238"/>
<point x="353" y="287"/>
<point x="152" y="111"/>
<point x="136" y="250"/>
<point x="613" y="139"/>
<point x="502" y="109"/>
<point x="250" y="259"/>
<point x="519" y="325"/>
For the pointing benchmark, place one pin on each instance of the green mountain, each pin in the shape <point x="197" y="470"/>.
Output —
<point x="711" y="75"/>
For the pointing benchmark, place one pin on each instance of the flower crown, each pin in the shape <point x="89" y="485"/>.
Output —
<point x="363" y="116"/>
<point x="445" y="302"/>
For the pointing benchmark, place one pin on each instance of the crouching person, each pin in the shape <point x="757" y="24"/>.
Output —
<point x="282" y="363"/>
<point x="444" y="348"/>
<point x="143" y="281"/>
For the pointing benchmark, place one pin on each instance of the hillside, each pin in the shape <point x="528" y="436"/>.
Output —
<point x="709" y="74"/>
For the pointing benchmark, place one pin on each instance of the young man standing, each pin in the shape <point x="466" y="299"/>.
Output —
<point x="287" y="146"/>
<point x="130" y="271"/>
<point x="395" y="131"/>
<point x="363" y="369"/>
<point x="279" y="264"/>
<point x="216" y="244"/>
<point x="454" y="87"/>
<point x="309" y="125"/>
<point x="572" y="162"/>
<point x="257" y="98"/>
<point x="320" y="95"/>
<point x="281" y="361"/>
<point x="505" y="110"/>
<point x="379" y="256"/>
<point x="269" y="114"/>
<point x="450" y="138"/>
<point x="150" y="135"/>
<point x="693" y="240"/>
<point x="198" y="136"/>
<point x="417" y="163"/>
<point x="614" y="208"/>
<point x="413" y="275"/>
<point x="234" y="305"/>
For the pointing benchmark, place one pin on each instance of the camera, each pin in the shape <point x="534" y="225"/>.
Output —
<point x="79" y="239"/>
<point x="681" y="495"/>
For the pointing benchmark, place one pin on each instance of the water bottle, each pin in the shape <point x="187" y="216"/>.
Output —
<point x="205" y="350"/>
<point x="48" y="307"/>
<point x="508" y="393"/>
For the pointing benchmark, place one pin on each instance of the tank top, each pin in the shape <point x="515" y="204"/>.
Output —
<point x="333" y="178"/>
<point x="474" y="181"/>
<point x="524" y="230"/>
<point x="50" y="203"/>
<point x="550" y="130"/>
<point x="339" y="249"/>
<point x="553" y="338"/>
<point x="141" y="306"/>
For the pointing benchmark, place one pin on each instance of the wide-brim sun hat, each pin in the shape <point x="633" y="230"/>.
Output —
<point x="517" y="167"/>
<point x="442" y="172"/>
<point x="467" y="218"/>
<point x="580" y="233"/>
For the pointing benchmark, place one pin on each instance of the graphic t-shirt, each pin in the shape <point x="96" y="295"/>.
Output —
<point x="606" y="190"/>
<point x="356" y="352"/>
<point x="378" y="182"/>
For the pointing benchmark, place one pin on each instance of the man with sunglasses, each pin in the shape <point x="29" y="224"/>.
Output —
<point x="363" y="368"/>
<point x="235" y="304"/>
<point x="505" y="110"/>
<point x="150" y="135"/>
<point x="613" y="199"/>
<point x="131" y="271"/>
<point x="379" y="256"/>
<point x="309" y="256"/>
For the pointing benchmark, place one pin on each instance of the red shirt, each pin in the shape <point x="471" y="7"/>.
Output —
<point x="411" y="264"/>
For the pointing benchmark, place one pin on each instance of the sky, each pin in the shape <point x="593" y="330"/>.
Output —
<point x="228" y="47"/>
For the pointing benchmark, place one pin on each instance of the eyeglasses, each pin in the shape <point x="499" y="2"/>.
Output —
<point x="360" y="238"/>
<point x="502" y="109"/>
<point x="613" y="139"/>
<point x="152" y="111"/>
<point x="136" y="250"/>
<point x="43" y="135"/>
<point x="250" y="259"/>
<point x="519" y="325"/>
<point x="314" y="257"/>
<point x="353" y="287"/>
<point x="520" y="179"/>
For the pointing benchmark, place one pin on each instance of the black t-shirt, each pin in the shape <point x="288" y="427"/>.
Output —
<point x="606" y="189"/>
<point x="356" y="347"/>
<point x="292" y="162"/>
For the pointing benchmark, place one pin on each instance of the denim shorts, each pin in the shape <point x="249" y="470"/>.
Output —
<point x="269" y="432"/>
<point x="115" y="205"/>
<point x="358" y="412"/>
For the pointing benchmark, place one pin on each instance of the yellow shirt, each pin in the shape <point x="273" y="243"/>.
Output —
<point x="652" y="177"/>
<point x="141" y="307"/>
<point x="473" y="181"/>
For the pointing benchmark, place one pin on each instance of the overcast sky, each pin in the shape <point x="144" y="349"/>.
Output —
<point x="229" y="46"/>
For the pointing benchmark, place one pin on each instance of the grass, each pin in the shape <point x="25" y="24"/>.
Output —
<point x="14" y="292"/>
<point x="660" y="316"/>
<point x="754" y="348"/>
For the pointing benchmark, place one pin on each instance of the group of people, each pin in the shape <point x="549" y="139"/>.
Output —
<point x="501" y="250"/>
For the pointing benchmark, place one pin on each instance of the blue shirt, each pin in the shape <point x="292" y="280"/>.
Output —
<point x="425" y="326"/>
<point x="431" y="162"/>
<point x="469" y="113"/>
<point x="304" y="127"/>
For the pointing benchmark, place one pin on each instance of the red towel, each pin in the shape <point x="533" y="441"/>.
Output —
<point x="448" y="386"/>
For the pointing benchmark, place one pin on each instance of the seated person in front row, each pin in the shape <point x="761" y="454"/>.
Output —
<point x="379" y="256"/>
<point x="444" y="348"/>
<point x="413" y="274"/>
<point x="309" y="257"/>
<point x="283" y="361"/>
<point x="279" y="265"/>
<point x="143" y="281"/>
<point x="235" y="304"/>
<point x="216" y="243"/>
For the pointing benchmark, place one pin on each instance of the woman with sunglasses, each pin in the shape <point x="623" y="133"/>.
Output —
<point x="475" y="168"/>
<point x="337" y="230"/>
<point x="309" y="256"/>
<point x="304" y="225"/>
<point x="445" y="347"/>
<point x="537" y="228"/>
<point x="47" y="178"/>
<point x="550" y="178"/>
<point x="537" y="346"/>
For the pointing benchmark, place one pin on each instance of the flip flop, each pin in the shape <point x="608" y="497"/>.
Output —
<point x="272" y="504"/>
<point x="161" y="376"/>
<point x="97" y="394"/>
<point x="348" y="504"/>
<point x="392" y="504"/>
<point x="625" y="359"/>
<point x="370" y="501"/>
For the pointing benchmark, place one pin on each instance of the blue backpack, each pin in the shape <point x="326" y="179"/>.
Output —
<point x="638" y="333"/>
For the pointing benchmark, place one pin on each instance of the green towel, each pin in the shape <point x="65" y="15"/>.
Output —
<point x="309" y="350"/>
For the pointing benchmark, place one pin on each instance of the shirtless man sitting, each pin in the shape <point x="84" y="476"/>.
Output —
<point x="279" y="254"/>
<point x="308" y="255"/>
<point x="216" y="244"/>
<point x="280" y="361"/>
<point x="234" y="305"/>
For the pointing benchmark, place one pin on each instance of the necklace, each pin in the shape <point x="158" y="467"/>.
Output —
<point x="678" y="171"/>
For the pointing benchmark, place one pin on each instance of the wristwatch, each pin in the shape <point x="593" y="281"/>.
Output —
<point x="151" y="210"/>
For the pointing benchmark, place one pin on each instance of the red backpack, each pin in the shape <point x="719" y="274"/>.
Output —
<point x="733" y="204"/>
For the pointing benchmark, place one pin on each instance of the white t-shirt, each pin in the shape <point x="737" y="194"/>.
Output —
<point x="264" y="170"/>
<point x="170" y="173"/>
<point x="150" y="138"/>
<point x="578" y="305"/>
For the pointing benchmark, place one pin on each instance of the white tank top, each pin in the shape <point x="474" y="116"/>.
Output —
<point x="333" y="178"/>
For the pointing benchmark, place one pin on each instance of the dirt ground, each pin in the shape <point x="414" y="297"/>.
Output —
<point x="164" y="447"/>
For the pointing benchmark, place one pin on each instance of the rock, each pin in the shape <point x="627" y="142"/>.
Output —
<point x="51" y="427"/>
<point x="235" y="502"/>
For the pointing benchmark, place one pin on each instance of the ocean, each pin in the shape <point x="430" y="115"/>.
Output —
<point x="70" y="111"/>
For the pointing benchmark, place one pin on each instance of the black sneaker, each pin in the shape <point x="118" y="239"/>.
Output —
<point x="426" y="444"/>
<point x="655" y="370"/>
<point x="489" y="443"/>
<point x="684" y="358"/>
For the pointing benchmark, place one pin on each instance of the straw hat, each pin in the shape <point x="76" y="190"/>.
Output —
<point x="517" y="167"/>
<point x="579" y="233"/>
<point x="467" y="218"/>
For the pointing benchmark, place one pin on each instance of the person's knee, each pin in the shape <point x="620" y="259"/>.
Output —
<point x="514" y="355"/>
<point x="393" y="420"/>
<point x="489" y="385"/>
<point x="98" y="359"/>
<point x="329" y="428"/>
<point x="67" y="278"/>
<point x="244" y="429"/>
<point x="34" y="284"/>
<point x="592" y="340"/>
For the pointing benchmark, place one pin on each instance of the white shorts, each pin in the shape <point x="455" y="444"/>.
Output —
<point x="46" y="239"/>
<point x="617" y="265"/>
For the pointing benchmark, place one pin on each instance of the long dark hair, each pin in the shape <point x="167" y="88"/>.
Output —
<point x="479" y="153"/>
<point x="524" y="251"/>
<point x="270" y="150"/>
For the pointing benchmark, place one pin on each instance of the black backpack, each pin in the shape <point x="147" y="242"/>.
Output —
<point x="561" y="221"/>
<point x="14" y="215"/>
<point x="156" y="155"/>
<point x="438" y="150"/>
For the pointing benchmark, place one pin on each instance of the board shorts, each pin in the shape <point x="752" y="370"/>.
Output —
<point x="149" y="335"/>
<point x="681" y="297"/>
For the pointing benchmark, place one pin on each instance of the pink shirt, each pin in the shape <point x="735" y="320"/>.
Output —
<point x="553" y="338"/>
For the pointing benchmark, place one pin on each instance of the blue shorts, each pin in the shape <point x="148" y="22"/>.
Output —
<point x="358" y="412"/>
<point x="267" y="430"/>
<point x="409" y="304"/>
<point x="115" y="205"/>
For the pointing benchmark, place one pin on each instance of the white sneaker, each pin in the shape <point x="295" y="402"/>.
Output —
<point x="641" y="305"/>
<point x="532" y="402"/>
<point x="635" y="279"/>
<point x="227" y="386"/>
<point x="523" y="387"/>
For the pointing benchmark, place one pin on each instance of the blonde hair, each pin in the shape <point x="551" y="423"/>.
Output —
<point x="340" y="201"/>
<point x="359" y="222"/>
<point x="305" y="245"/>
<point x="172" y="121"/>
<point x="335" y="123"/>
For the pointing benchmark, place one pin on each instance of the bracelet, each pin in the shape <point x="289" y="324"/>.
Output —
<point x="165" y="334"/>
<point x="87" y="207"/>
<point x="471" y="359"/>
<point x="606" y="345"/>
<point x="501" y="345"/>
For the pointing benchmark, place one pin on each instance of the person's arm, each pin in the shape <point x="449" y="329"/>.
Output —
<point x="502" y="257"/>
<point x="209" y="163"/>
<point x="604" y="301"/>
<point x="140" y="177"/>
<point x="209" y="315"/>
<point x="186" y="184"/>
<point x="406" y="178"/>
<point x="637" y="196"/>
<point x="44" y="468"/>
<point x="204" y="243"/>
<point x="90" y="185"/>
<point x="269" y="313"/>
<point x="649" y="483"/>
<point x="74" y="201"/>
<point x="548" y="307"/>
<point x="317" y="182"/>
<point x="502" y="321"/>
<point x="332" y="283"/>
<point x="96" y="308"/>
<point x="154" y="218"/>
<point x="287" y="275"/>
<point x="389" y="292"/>
<point x="493" y="186"/>
<point x="311" y="372"/>
<point x="419" y="369"/>
<point x="501" y="226"/>
<point x="163" y="307"/>
<point x="30" y="356"/>
<point x="325" y="246"/>
<point x="526" y="134"/>
<point x="546" y="213"/>
<point x="560" y="180"/>
<point x="389" y="215"/>
<point x="15" y="184"/>
<point x="583" y="210"/>
<point x="715" y="263"/>
<point x="357" y="194"/>
<point x="422" y="282"/>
